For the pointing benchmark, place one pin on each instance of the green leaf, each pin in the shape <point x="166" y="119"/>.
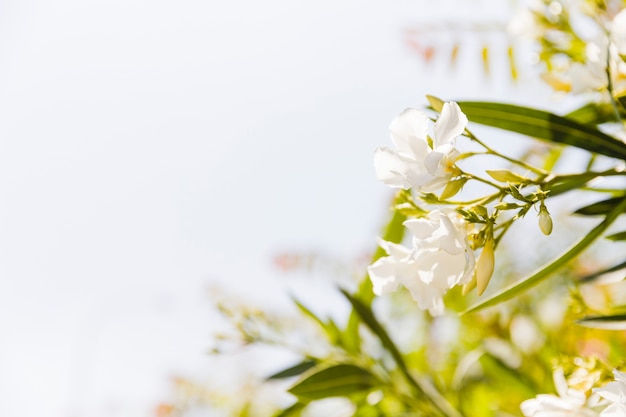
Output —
<point x="295" y="370"/>
<point x="548" y="270"/>
<point x="599" y="208"/>
<point x="615" y="322"/>
<point x="435" y="102"/>
<point x="422" y="387"/>
<point x="598" y="274"/>
<point x="334" y="381"/>
<point x="543" y="125"/>
<point x="452" y="188"/>
<point x="329" y="327"/>
<point x="393" y="232"/>
<point x="593" y="114"/>
<point x="293" y="411"/>
<point x="504" y="175"/>
<point x="616" y="237"/>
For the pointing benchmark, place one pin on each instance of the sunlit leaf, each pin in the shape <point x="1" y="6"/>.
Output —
<point x="504" y="175"/>
<point x="295" y="370"/>
<point x="543" y="125"/>
<point x="334" y="381"/>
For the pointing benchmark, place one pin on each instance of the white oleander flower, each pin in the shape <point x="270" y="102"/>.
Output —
<point x="615" y="393"/>
<point x="568" y="403"/>
<point x="439" y="259"/>
<point x="415" y="163"/>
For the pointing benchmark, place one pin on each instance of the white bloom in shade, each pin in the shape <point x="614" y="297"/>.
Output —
<point x="568" y="403"/>
<point x="414" y="163"/>
<point x="615" y="393"/>
<point x="439" y="259"/>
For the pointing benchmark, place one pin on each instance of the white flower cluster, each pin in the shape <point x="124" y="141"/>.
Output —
<point x="607" y="401"/>
<point x="440" y="256"/>
<point x="606" y="49"/>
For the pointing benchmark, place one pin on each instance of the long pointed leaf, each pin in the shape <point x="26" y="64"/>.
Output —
<point x="543" y="125"/>
<point x="294" y="370"/>
<point x="528" y="282"/>
<point x="616" y="322"/>
<point x="599" y="207"/>
<point x="599" y="274"/>
<point x="422" y="387"/>
<point x="334" y="381"/>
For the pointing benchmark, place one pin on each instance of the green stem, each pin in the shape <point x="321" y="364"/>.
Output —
<point x="540" y="275"/>
<point x="491" y="151"/>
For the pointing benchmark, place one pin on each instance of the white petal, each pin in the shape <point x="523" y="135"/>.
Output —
<point x="396" y="251"/>
<point x="392" y="168"/>
<point x="450" y="124"/>
<point x="421" y="228"/>
<point x="382" y="275"/>
<point x="433" y="162"/>
<point x="408" y="132"/>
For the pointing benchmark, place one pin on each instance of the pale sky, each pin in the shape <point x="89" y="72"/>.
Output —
<point x="150" y="149"/>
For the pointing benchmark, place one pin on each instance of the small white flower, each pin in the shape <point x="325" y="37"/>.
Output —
<point x="568" y="403"/>
<point x="414" y="163"/>
<point x="615" y="393"/>
<point x="439" y="259"/>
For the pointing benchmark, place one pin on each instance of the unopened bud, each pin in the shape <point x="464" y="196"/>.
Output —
<point x="484" y="266"/>
<point x="466" y="288"/>
<point x="545" y="221"/>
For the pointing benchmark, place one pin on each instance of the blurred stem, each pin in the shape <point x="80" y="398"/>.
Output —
<point x="491" y="151"/>
<point x="421" y="387"/>
<point x="609" y="87"/>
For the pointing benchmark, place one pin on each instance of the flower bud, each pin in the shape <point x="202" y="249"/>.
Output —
<point x="545" y="221"/>
<point x="484" y="266"/>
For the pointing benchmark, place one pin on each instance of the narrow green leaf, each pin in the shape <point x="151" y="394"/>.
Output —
<point x="393" y="232"/>
<point x="334" y="381"/>
<point x="295" y="370"/>
<point x="599" y="274"/>
<point x="615" y="322"/>
<point x="616" y="237"/>
<point x="330" y="328"/>
<point x="294" y="410"/>
<point x="422" y="387"/>
<point x="435" y="102"/>
<point x="528" y="282"/>
<point x="543" y="125"/>
<point x="593" y="114"/>
<point x="504" y="175"/>
<point x="599" y="208"/>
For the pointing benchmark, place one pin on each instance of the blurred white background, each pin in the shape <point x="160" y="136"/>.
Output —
<point x="150" y="149"/>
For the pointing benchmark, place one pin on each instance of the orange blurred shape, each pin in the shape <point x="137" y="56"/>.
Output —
<point x="287" y="261"/>
<point x="164" y="410"/>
